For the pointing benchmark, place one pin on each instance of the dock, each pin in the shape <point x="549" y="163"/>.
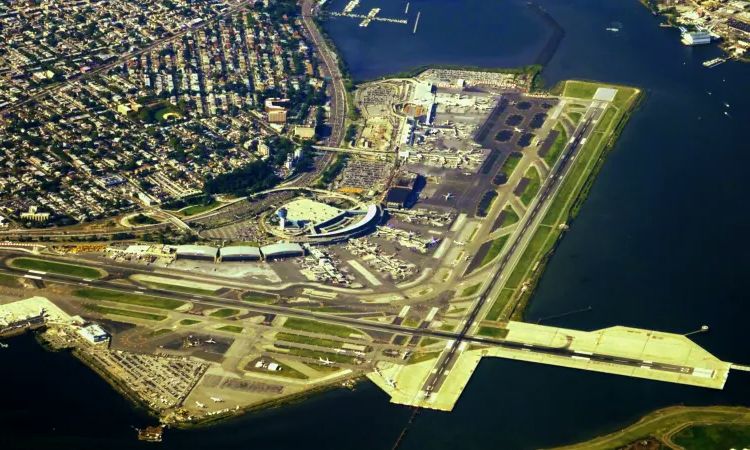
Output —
<point x="407" y="8"/>
<point x="362" y="16"/>
<point x="618" y="350"/>
<point x="416" y="22"/>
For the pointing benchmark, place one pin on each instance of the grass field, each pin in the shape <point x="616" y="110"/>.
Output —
<point x="499" y="333"/>
<point x="225" y="312"/>
<point x="197" y="209"/>
<point x="410" y="322"/>
<point x="701" y="437"/>
<point x="333" y="357"/>
<point x="428" y="341"/>
<point x="580" y="89"/>
<point x="529" y="256"/>
<point x="447" y="327"/>
<point x="495" y="249"/>
<point x="255" y="297"/>
<point x="421" y="357"/>
<point x="127" y="298"/>
<point x="606" y="119"/>
<point x="575" y="117"/>
<point x="189" y="322"/>
<point x="322" y="367"/>
<point x="159" y="332"/>
<point x="535" y="182"/>
<point x="510" y="218"/>
<point x="231" y="329"/>
<point x="178" y="288"/>
<point x="9" y="281"/>
<point x="471" y="290"/>
<point x="509" y="165"/>
<point x="122" y="312"/>
<point x="289" y="337"/>
<point x="501" y="300"/>
<point x="55" y="267"/>
<point x="312" y="326"/>
<point x="557" y="147"/>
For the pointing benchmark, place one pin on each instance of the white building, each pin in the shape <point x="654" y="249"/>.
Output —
<point x="94" y="334"/>
<point x="696" y="38"/>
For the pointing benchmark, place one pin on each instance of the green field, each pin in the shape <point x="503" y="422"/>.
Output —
<point x="189" y="322"/>
<point x="471" y="290"/>
<point x="159" y="332"/>
<point x="128" y="298"/>
<point x="447" y="327"/>
<point x="529" y="256"/>
<point x="197" y="209"/>
<point x="580" y="89"/>
<point x="285" y="371"/>
<point x="428" y="341"/>
<point x="535" y="182"/>
<point x="231" y="329"/>
<point x="178" y="288"/>
<point x="498" y="305"/>
<point x="312" y="326"/>
<point x="55" y="267"/>
<point x="420" y="357"/>
<point x="509" y="165"/>
<point x="495" y="249"/>
<point x="9" y="281"/>
<point x="699" y="437"/>
<point x="410" y="322"/>
<point x="557" y="147"/>
<point x="256" y="297"/>
<point x="575" y="117"/>
<point x="122" y="312"/>
<point x="288" y="337"/>
<point x="225" y="312"/>
<point x="333" y="357"/>
<point x="510" y="218"/>
<point x="499" y="333"/>
<point x="606" y="119"/>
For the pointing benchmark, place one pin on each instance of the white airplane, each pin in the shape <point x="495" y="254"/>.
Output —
<point x="405" y="354"/>
<point x="448" y="196"/>
<point x="340" y="350"/>
<point x="200" y="405"/>
<point x="325" y="362"/>
<point x="459" y="243"/>
<point x="3" y="345"/>
<point x="517" y="130"/>
<point x="360" y="353"/>
<point x="391" y="383"/>
<point x="210" y="341"/>
<point x="217" y="399"/>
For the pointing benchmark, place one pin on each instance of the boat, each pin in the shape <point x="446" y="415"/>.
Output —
<point x="150" y="434"/>
<point x="3" y="345"/>
<point x="614" y="30"/>
<point x="713" y="62"/>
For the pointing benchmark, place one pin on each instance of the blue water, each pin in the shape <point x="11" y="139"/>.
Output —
<point x="660" y="243"/>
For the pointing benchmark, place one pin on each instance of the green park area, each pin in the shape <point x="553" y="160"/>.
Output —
<point x="690" y="428"/>
<point x="231" y="329"/>
<point x="224" y="313"/>
<point x="495" y="249"/>
<point x="127" y="298"/>
<point x="471" y="290"/>
<point x="421" y="357"/>
<point x="312" y="326"/>
<point x="55" y="267"/>
<point x="535" y="182"/>
<point x="122" y="312"/>
<point x="189" y="322"/>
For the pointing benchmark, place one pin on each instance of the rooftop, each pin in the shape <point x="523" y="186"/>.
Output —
<point x="310" y="211"/>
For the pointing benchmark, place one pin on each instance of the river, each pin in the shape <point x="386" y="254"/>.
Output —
<point x="660" y="243"/>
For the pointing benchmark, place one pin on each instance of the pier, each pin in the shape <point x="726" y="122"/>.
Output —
<point x="416" y="22"/>
<point x="407" y="8"/>
<point x="362" y="16"/>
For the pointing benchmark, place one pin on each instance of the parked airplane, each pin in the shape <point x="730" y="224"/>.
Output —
<point x="459" y="243"/>
<point x="3" y="345"/>
<point x="360" y="353"/>
<point x="200" y="405"/>
<point x="210" y="341"/>
<point x="391" y="383"/>
<point x="518" y="130"/>
<point x="325" y="362"/>
<point x="448" y="196"/>
<point x="217" y="399"/>
<point x="339" y="350"/>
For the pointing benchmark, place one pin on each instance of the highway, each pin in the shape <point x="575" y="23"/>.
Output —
<point x="447" y="359"/>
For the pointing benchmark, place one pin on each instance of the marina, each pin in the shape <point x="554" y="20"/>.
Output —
<point x="366" y="19"/>
<point x="714" y="62"/>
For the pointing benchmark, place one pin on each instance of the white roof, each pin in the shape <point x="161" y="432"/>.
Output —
<point x="281" y="248"/>
<point x="240" y="250"/>
<point x="605" y="94"/>
<point x="196" y="250"/>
